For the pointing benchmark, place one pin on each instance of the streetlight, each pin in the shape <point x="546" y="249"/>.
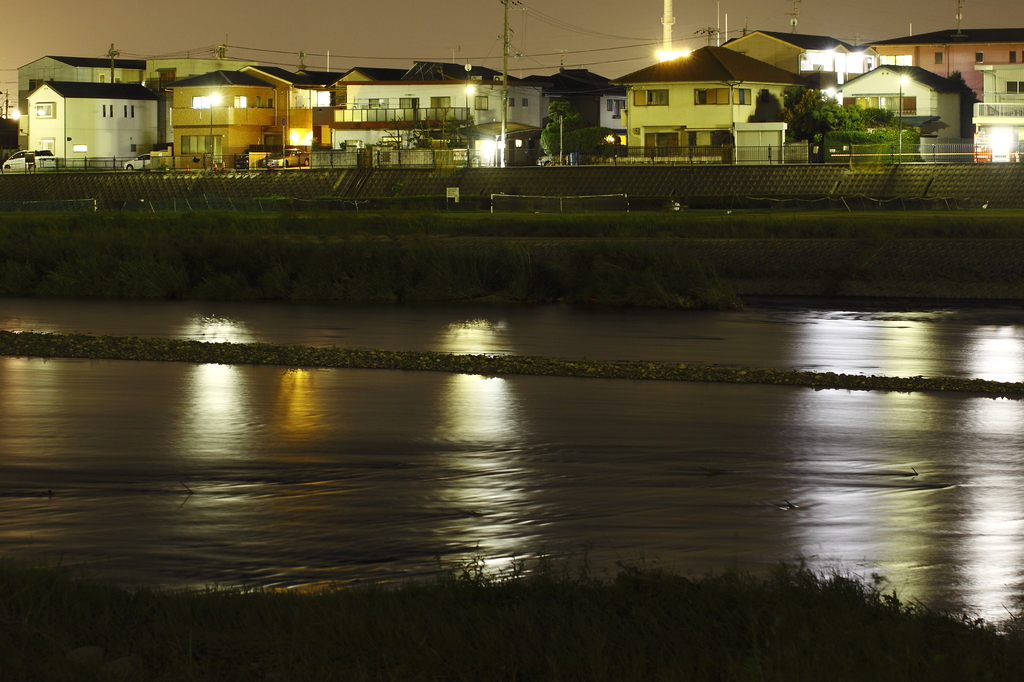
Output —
<point x="899" y="129"/>
<point x="214" y="100"/>
<point x="470" y="92"/>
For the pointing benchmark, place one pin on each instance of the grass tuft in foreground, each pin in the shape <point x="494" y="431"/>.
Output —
<point x="34" y="344"/>
<point x="548" y="623"/>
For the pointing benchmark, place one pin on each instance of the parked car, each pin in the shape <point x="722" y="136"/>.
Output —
<point x="23" y="160"/>
<point x="249" y="159"/>
<point x="289" y="158"/>
<point x="138" y="163"/>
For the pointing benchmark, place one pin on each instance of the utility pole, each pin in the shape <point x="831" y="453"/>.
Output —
<point x="112" y="53"/>
<point x="506" y="41"/>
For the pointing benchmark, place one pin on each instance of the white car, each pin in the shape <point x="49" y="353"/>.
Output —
<point x="289" y="158"/>
<point x="24" y="160"/>
<point x="138" y="163"/>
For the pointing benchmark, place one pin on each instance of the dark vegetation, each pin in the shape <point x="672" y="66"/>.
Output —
<point x="176" y="350"/>
<point x="551" y="622"/>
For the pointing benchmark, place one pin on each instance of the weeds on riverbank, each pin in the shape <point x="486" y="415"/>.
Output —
<point x="540" y="622"/>
<point x="241" y="262"/>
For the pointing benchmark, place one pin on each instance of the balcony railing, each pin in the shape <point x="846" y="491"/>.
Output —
<point x="222" y="116"/>
<point x="426" y="114"/>
<point x="1000" y="110"/>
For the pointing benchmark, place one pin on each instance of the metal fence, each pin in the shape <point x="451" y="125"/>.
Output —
<point x="925" y="152"/>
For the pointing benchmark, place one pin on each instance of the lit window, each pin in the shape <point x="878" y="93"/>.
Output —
<point x="44" y="110"/>
<point x="241" y="102"/>
<point x="80" y="148"/>
<point x="200" y="102"/>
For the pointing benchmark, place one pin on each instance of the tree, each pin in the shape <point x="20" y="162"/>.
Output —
<point x="811" y="113"/>
<point x="968" y="98"/>
<point x="568" y="132"/>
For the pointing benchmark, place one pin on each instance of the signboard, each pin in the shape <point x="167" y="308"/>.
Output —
<point x="452" y="193"/>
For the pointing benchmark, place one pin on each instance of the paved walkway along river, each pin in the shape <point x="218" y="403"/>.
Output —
<point x="302" y="476"/>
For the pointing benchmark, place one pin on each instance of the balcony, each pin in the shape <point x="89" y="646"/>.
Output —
<point x="999" y="110"/>
<point x="427" y="115"/>
<point x="222" y="116"/>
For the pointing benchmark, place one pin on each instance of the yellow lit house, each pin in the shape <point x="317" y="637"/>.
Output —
<point x="706" y="98"/>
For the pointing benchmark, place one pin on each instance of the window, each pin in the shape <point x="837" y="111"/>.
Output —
<point x="270" y="102"/>
<point x="409" y="103"/>
<point x="377" y="103"/>
<point x="610" y="105"/>
<point x="104" y="111"/>
<point x="44" y="110"/>
<point x="132" y="110"/>
<point x="200" y="102"/>
<point x="1013" y="56"/>
<point x="480" y="103"/>
<point x="743" y="96"/>
<point x="661" y="140"/>
<point x="1014" y="86"/>
<point x="48" y="143"/>
<point x="896" y="60"/>
<point x="979" y="57"/>
<point x="80" y="148"/>
<point x="103" y="78"/>
<point x="650" y="98"/>
<point x="125" y="111"/>
<point x="440" y="102"/>
<point x="134" y="148"/>
<point x="199" y="144"/>
<point x="259" y="101"/>
<point x="526" y="102"/>
<point x="511" y="101"/>
<point x="938" y="57"/>
<point x="764" y="96"/>
<point x="711" y="96"/>
<point x="241" y="102"/>
<point x="323" y="98"/>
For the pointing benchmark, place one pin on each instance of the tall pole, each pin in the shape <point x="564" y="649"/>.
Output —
<point x="666" y="27"/>
<point x="504" y="83"/>
<point x="899" y="128"/>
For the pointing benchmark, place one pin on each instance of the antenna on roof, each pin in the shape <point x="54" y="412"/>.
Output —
<point x="959" y="15"/>
<point x="795" y="14"/>
<point x="710" y="32"/>
<point x="457" y="48"/>
<point x="302" y="60"/>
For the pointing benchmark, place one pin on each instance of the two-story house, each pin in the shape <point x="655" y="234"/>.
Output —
<point x="79" y="121"/>
<point x="442" y="105"/>
<point x="706" y="98"/>
<point x="826" y="62"/>
<point x="921" y="99"/>
<point x="218" y="115"/>
<point x="999" y="119"/>
<point x="307" y="98"/>
<point x="597" y="100"/>
<point x="944" y="52"/>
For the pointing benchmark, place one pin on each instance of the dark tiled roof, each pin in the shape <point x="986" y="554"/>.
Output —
<point x="575" y="82"/>
<point x="712" y="65"/>
<point x="100" y="90"/>
<point x="916" y="73"/>
<point x="101" y="62"/>
<point x="805" y="41"/>
<point x="216" y="78"/>
<point x="378" y="73"/>
<point x="307" y="77"/>
<point x="442" y="71"/>
<point x="966" y="36"/>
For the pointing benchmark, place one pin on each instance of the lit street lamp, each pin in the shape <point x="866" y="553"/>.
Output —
<point x="214" y="100"/>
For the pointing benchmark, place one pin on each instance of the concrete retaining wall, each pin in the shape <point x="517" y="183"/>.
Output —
<point x="1001" y="185"/>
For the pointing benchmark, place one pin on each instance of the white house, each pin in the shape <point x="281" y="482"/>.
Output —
<point x="827" y="62"/>
<point x="90" y="120"/>
<point x="441" y="103"/>
<point x="922" y="99"/>
<point x="999" y="119"/>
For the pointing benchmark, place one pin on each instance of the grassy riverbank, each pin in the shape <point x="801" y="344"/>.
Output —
<point x="31" y="344"/>
<point x="546" y="623"/>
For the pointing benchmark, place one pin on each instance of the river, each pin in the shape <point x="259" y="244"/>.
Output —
<point x="177" y="474"/>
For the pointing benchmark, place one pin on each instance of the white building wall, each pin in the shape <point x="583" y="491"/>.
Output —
<point x="81" y="122"/>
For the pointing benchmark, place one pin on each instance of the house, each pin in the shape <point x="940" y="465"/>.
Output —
<point x="828" y="63"/>
<point x="999" y="118"/>
<point x="595" y="98"/>
<point x="218" y="115"/>
<point x="91" y="120"/>
<point x="698" y="99"/>
<point x="922" y="99"/>
<point x="441" y="105"/>
<point x="943" y="52"/>
<point x="307" y="98"/>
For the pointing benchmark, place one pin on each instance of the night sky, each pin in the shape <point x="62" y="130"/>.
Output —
<point x="610" y="37"/>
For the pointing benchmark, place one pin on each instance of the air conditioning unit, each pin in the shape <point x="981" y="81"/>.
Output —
<point x="497" y="78"/>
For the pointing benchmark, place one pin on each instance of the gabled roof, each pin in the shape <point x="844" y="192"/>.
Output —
<point x="70" y="90"/>
<point x="101" y="62"/>
<point x="375" y="73"/>
<point x="805" y="41"/>
<point x="915" y="73"/>
<point x="712" y="65"/>
<point x="443" y="71"/>
<point x="967" y="36"/>
<point x="305" y="77"/>
<point x="220" y="78"/>
<point x="575" y="82"/>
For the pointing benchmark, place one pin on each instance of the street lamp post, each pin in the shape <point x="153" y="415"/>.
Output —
<point x="899" y="128"/>
<point x="470" y="92"/>
<point x="214" y="100"/>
